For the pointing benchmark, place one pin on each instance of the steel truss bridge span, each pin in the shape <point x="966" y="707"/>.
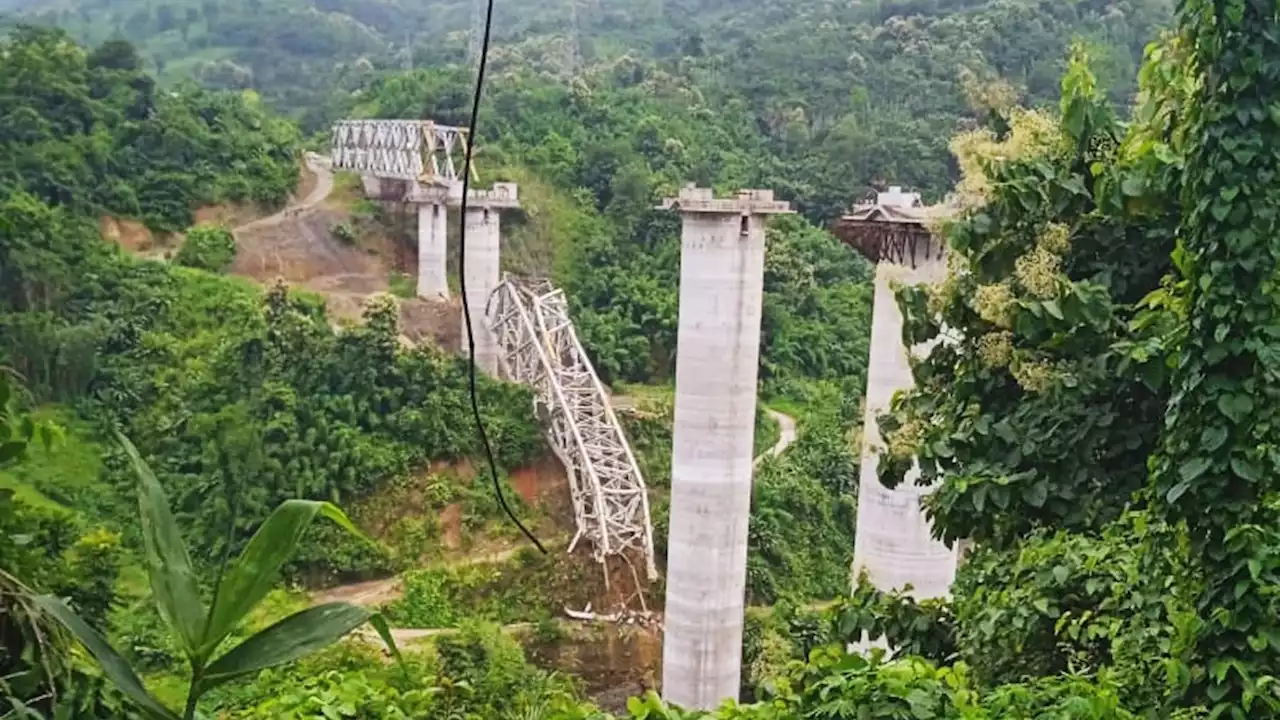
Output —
<point x="539" y="348"/>
<point x="412" y="150"/>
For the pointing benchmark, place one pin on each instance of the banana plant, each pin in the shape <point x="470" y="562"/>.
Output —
<point x="201" y="631"/>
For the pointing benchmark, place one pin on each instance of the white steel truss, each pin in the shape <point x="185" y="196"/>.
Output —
<point x="417" y="150"/>
<point x="539" y="348"/>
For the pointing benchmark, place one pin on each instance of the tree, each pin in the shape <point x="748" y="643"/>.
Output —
<point x="166" y="18"/>
<point x="1032" y="416"/>
<point x="206" y="247"/>
<point x="115" y="54"/>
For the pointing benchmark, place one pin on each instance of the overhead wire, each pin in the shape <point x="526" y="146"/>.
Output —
<point x="462" y="281"/>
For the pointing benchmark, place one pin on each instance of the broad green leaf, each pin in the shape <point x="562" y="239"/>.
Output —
<point x="1177" y="491"/>
<point x="1212" y="438"/>
<point x="1036" y="495"/>
<point x="258" y="567"/>
<point x="113" y="666"/>
<point x="1192" y="469"/>
<point x="1235" y="407"/>
<point x="1005" y="431"/>
<point x="379" y="623"/>
<point x="173" y="582"/>
<point x="294" y="637"/>
<point x="1246" y="469"/>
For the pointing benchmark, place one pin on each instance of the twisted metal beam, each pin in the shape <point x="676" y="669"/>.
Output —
<point x="541" y="349"/>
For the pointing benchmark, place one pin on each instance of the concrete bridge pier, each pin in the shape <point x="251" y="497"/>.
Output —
<point x="433" y="256"/>
<point x="893" y="540"/>
<point x="721" y="288"/>
<point x="484" y="265"/>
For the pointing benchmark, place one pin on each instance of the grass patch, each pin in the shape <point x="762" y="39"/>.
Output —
<point x="768" y="431"/>
<point x="402" y="285"/>
<point x="27" y="495"/>
<point x="69" y="475"/>
<point x="530" y="587"/>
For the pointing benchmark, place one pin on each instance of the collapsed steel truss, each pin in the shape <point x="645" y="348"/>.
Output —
<point x="416" y="150"/>
<point x="540" y="349"/>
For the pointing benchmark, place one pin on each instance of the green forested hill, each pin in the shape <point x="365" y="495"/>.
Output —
<point x="846" y="93"/>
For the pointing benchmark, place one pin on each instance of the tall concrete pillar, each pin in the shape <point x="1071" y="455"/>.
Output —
<point x="718" y="345"/>
<point x="433" y="230"/>
<point x="484" y="265"/>
<point x="483" y="269"/>
<point x="892" y="541"/>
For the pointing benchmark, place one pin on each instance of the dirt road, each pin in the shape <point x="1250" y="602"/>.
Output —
<point x="319" y="166"/>
<point x="786" y="435"/>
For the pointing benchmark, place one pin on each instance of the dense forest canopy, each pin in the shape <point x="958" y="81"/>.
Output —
<point x="873" y="94"/>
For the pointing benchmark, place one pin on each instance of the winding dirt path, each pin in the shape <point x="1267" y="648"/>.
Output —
<point x="786" y="435"/>
<point x="317" y="164"/>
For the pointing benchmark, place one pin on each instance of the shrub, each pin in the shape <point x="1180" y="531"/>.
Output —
<point x="343" y="233"/>
<point x="207" y="247"/>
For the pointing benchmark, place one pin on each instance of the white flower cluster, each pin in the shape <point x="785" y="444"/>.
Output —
<point x="904" y="441"/>
<point x="1056" y="239"/>
<point x="995" y="304"/>
<point x="995" y="350"/>
<point x="1031" y="133"/>
<point x="1037" y="273"/>
<point x="1035" y="376"/>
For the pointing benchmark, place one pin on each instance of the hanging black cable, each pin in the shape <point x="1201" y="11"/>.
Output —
<point x="462" y="282"/>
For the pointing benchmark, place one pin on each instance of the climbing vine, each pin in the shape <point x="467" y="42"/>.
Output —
<point x="1218" y="468"/>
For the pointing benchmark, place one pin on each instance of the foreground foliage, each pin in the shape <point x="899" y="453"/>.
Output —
<point x="238" y="587"/>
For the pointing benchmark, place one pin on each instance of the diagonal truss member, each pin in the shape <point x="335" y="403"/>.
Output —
<point x="415" y="150"/>
<point x="539" y="348"/>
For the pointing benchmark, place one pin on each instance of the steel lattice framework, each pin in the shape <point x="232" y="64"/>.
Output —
<point x="416" y="150"/>
<point x="540" y="349"/>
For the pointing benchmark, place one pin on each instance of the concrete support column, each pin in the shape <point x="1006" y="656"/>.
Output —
<point x="893" y="542"/>
<point x="721" y="287"/>
<point x="483" y="269"/>
<point x="433" y="230"/>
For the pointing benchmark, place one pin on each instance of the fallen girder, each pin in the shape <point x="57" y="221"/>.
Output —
<point x="539" y="348"/>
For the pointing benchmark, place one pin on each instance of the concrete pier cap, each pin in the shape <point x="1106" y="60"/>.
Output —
<point x="500" y="196"/>
<point x="694" y="199"/>
<point x="722" y="251"/>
